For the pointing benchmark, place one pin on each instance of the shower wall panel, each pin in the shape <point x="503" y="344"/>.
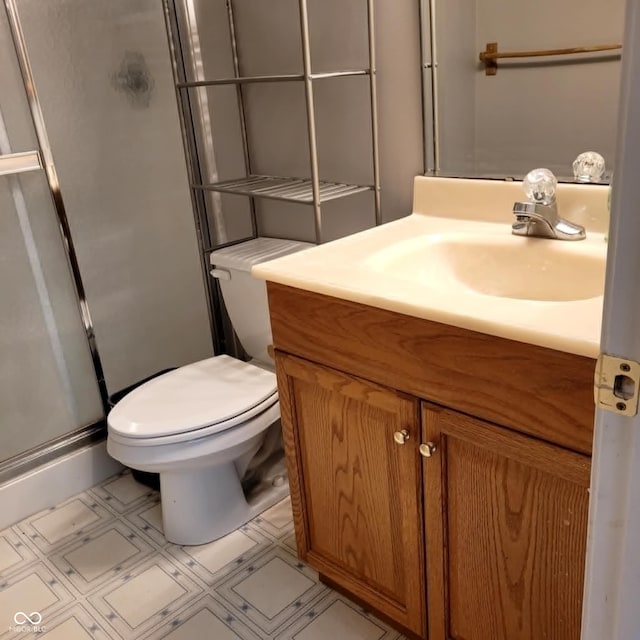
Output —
<point x="103" y="75"/>
<point x="47" y="382"/>
<point x="48" y="386"/>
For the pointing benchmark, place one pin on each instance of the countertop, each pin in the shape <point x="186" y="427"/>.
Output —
<point x="360" y="267"/>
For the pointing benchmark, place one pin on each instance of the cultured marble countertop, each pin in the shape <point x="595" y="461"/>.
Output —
<point x="372" y="268"/>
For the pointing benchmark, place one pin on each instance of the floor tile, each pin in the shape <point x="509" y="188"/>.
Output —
<point x="123" y="492"/>
<point x="258" y="592"/>
<point x="211" y="562"/>
<point x="276" y="521"/>
<point x="204" y="619"/>
<point x="98" y="567"/>
<point x="14" y="553"/>
<point x="274" y="588"/>
<point x="202" y="624"/>
<point x="143" y="598"/>
<point x="159" y="589"/>
<point x="9" y="556"/>
<point x="289" y="541"/>
<point x="99" y="556"/>
<point x="47" y="529"/>
<point x="148" y="519"/>
<point x="36" y="589"/>
<point x="336" y="617"/>
<point x="70" y="629"/>
<point x="74" y="623"/>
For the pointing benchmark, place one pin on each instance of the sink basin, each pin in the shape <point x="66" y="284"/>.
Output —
<point x="505" y="266"/>
<point x="454" y="261"/>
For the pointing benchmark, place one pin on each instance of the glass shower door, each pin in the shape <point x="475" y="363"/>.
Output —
<point x="48" y="383"/>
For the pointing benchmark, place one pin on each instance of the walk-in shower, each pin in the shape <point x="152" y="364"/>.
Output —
<point x="100" y="277"/>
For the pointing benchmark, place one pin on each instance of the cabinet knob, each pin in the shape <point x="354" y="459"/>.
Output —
<point x="401" y="436"/>
<point x="428" y="449"/>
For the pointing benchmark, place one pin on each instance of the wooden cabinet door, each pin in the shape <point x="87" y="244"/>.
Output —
<point x="355" y="492"/>
<point x="506" y="526"/>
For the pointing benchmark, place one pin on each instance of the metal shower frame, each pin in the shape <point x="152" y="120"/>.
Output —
<point x="41" y="159"/>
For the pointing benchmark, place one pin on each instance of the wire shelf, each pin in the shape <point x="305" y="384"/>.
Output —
<point x="290" y="77"/>
<point x="288" y="189"/>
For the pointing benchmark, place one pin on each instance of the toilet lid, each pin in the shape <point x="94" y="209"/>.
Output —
<point x="202" y="394"/>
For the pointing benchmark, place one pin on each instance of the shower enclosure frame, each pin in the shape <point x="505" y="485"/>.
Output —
<point x="41" y="159"/>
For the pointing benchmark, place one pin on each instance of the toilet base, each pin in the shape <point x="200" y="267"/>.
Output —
<point x="193" y="513"/>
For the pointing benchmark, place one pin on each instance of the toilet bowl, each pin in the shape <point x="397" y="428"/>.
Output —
<point x="201" y="425"/>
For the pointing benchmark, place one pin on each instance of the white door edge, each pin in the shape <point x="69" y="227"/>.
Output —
<point x="611" y="609"/>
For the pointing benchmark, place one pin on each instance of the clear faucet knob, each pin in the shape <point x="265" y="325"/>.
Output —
<point x="540" y="186"/>
<point x="588" y="167"/>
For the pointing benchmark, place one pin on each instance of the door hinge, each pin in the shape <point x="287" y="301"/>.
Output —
<point x="616" y="384"/>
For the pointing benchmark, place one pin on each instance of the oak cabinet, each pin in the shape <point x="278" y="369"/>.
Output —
<point x="355" y="489"/>
<point x="506" y="523"/>
<point x="438" y="475"/>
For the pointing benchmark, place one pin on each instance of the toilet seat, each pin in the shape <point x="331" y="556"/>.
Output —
<point x="194" y="401"/>
<point x="219" y="429"/>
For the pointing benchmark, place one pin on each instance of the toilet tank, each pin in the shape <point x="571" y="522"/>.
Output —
<point x="245" y="297"/>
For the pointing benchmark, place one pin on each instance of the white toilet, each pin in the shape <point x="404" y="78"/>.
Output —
<point x="201" y="425"/>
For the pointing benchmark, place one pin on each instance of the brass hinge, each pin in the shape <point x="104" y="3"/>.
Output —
<point x="616" y="384"/>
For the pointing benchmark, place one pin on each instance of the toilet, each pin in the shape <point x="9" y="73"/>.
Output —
<point x="203" y="425"/>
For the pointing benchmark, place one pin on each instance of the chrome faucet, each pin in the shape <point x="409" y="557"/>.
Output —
<point x="539" y="217"/>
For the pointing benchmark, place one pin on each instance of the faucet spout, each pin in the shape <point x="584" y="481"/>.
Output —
<point x="539" y="217"/>
<point x="542" y="221"/>
<point x="536" y="212"/>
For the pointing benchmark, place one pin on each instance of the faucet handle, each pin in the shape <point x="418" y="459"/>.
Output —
<point x="588" y="167"/>
<point x="540" y="186"/>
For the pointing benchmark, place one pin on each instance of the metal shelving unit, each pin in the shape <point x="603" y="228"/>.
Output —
<point x="288" y="77"/>
<point x="285" y="189"/>
<point x="311" y="191"/>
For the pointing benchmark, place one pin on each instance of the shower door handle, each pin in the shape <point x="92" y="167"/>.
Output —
<point x="11" y="163"/>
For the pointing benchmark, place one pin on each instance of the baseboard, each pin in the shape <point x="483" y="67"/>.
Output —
<point x="46" y="486"/>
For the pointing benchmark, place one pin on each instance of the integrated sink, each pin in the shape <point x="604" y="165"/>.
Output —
<point x="503" y="266"/>
<point x="455" y="261"/>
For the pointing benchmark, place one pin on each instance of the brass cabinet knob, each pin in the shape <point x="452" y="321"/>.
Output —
<point x="428" y="449"/>
<point x="401" y="436"/>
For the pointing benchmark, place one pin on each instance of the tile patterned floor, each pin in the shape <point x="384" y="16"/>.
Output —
<point x="97" y="567"/>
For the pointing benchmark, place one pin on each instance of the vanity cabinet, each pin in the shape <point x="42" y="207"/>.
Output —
<point x="506" y="523"/>
<point x="356" y="491"/>
<point x="438" y="475"/>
